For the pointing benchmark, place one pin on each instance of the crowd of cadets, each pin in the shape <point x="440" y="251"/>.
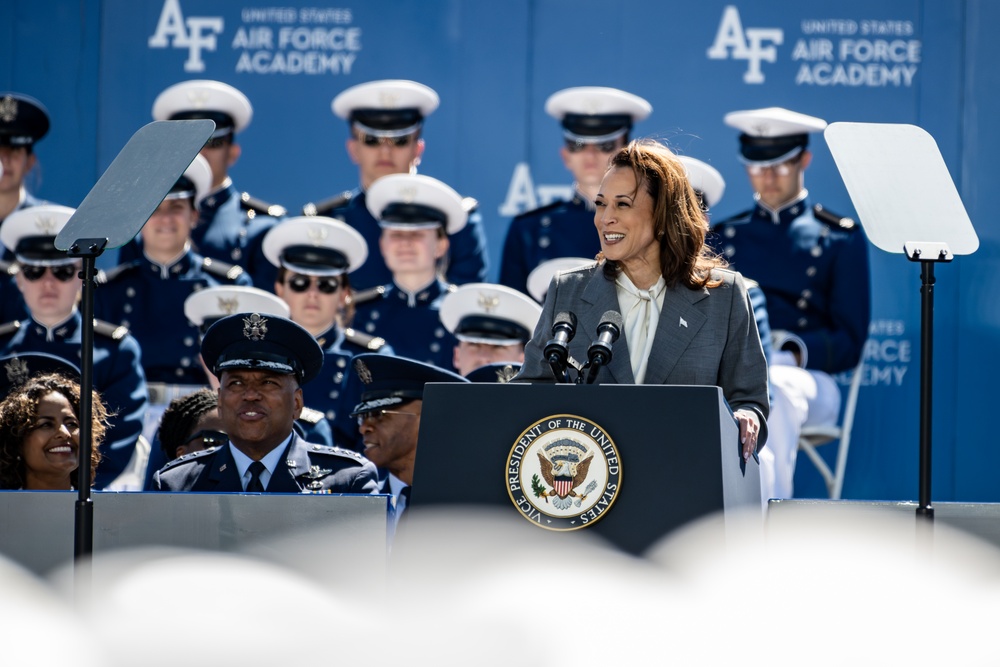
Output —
<point x="395" y="267"/>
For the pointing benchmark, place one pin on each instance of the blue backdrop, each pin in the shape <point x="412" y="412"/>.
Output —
<point x="98" y="65"/>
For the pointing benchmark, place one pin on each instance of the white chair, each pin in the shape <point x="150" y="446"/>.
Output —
<point x="816" y="436"/>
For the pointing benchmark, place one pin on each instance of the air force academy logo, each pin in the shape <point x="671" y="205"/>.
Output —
<point x="194" y="33"/>
<point x="732" y="41"/>
<point x="563" y="473"/>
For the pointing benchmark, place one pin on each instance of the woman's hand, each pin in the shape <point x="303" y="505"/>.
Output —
<point x="749" y="428"/>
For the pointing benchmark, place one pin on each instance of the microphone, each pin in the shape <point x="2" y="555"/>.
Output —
<point x="557" y="350"/>
<point x="599" y="353"/>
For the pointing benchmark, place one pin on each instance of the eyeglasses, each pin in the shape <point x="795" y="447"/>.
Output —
<point x="325" y="284"/>
<point x="63" y="273"/>
<point x="780" y="169"/>
<point x="217" y="142"/>
<point x="378" y="415"/>
<point x="372" y="140"/>
<point x="209" y="438"/>
<point x="609" y="146"/>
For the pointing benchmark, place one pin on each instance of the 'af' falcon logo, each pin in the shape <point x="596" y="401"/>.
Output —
<point x="195" y="33"/>
<point x="745" y="44"/>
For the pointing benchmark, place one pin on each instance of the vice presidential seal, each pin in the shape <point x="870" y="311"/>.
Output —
<point x="563" y="473"/>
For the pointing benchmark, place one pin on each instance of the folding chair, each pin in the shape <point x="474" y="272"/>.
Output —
<point x="816" y="436"/>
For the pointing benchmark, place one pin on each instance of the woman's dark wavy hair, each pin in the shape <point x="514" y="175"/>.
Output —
<point x="679" y="224"/>
<point x="18" y="412"/>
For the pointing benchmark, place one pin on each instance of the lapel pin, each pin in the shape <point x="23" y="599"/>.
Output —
<point x="682" y="323"/>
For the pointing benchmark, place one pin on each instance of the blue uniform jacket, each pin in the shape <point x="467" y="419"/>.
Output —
<point x="118" y="377"/>
<point x="561" y="229"/>
<point x="309" y="468"/>
<point x="467" y="261"/>
<point x="814" y="274"/>
<point x="149" y="299"/>
<point x="230" y="231"/>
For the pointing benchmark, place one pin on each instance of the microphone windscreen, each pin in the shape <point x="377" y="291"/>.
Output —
<point x="612" y="317"/>
<point x="565" y="317"/>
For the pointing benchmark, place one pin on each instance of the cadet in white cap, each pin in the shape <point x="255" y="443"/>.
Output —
<point x="315" y="257"/>
<point x="231" y="223"/>
<point x="23" y="121"/>
<point x="147" y="294"/>
<point x="386" y="121"/>
<point x="542" y="275"/>
<point x="50" y="284"/>
<point x="491" y="322"/>
<point x="596" y="122"/>
<point x="812" y="266"/>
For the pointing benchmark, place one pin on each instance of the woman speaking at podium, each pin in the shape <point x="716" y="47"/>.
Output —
<point x="658" y="306"/>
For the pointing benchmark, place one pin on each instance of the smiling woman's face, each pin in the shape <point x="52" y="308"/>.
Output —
<point x="50" y="449"/>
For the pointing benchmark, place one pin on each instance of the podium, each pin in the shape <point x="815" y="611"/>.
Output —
<point x="659" y="456"/>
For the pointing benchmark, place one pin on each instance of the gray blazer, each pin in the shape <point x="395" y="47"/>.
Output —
<point x="704" y="337"/>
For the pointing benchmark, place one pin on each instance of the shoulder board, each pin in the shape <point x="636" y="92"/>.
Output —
<point x="366" y="295"/>
<point x="336" y="451"/>
<point x="310" y="416"/>
<point x="725" y="221"/>
<point x="105" y="277"/>
<point x="221" y="269"/>
<point x="261" y="207"/>
<point x="327" y="205"/>
<point x="367" y="341"/>
<point x="833" y="220"/>
<point x="9" y="327"/>
<point x="187" y="458"/>
<point x="541" y="209"/>
<point x="113" y="331"/>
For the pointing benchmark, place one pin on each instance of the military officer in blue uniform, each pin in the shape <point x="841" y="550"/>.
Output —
<point x="596" y="122"/>
<point x="231" y="223"/>
<point x="23" y="121"/>
<point x="386" y="119"/>
<point x="811" y="264"/>
<point x="147" y="294"/>
<point x="491" y="322"/>
<point x="388" y="416"/>
<point x="315" y="257"/>
<point x="50" y="284"/>
<point x="262" y="364"/>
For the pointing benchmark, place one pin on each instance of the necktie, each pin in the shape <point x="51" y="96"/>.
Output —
<point x="641" y="319"/>
<point x="255" y="485"/>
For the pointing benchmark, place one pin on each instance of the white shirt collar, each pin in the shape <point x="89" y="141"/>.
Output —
<point x="270" y="461"/>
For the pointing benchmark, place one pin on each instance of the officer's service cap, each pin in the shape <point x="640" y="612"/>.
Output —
<point x="202" y="98"/>
<point x="195" y="182"/>
<point x="23" y="120"/>
<point x="772" y="135"/>
<point x="18" y="368"/>
<point x="386" y="108"/>
<point x="705" y="179"/>
<point x="206" y="306"/>
<point x="542" y="275"/>
<point x="30" y="233"/>
<point x="261" y="342"/>
<point x="490" y="314"/>
<point x="315" y="246"/>
<point x="389" y="380"/>
<point x="591" y="114"/>
<point x="498" y="371"/>
<point x="415" y="201"/>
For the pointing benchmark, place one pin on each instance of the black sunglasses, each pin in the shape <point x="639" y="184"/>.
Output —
<point x="397" y="142"/>
<point x="602" y="146"/>
<point x="63" y="273"/>
<point x="325" y="284"/>
<point x="209" y="438"/>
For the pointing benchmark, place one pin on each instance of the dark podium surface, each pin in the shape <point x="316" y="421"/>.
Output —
<point x="677" y="445"/>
